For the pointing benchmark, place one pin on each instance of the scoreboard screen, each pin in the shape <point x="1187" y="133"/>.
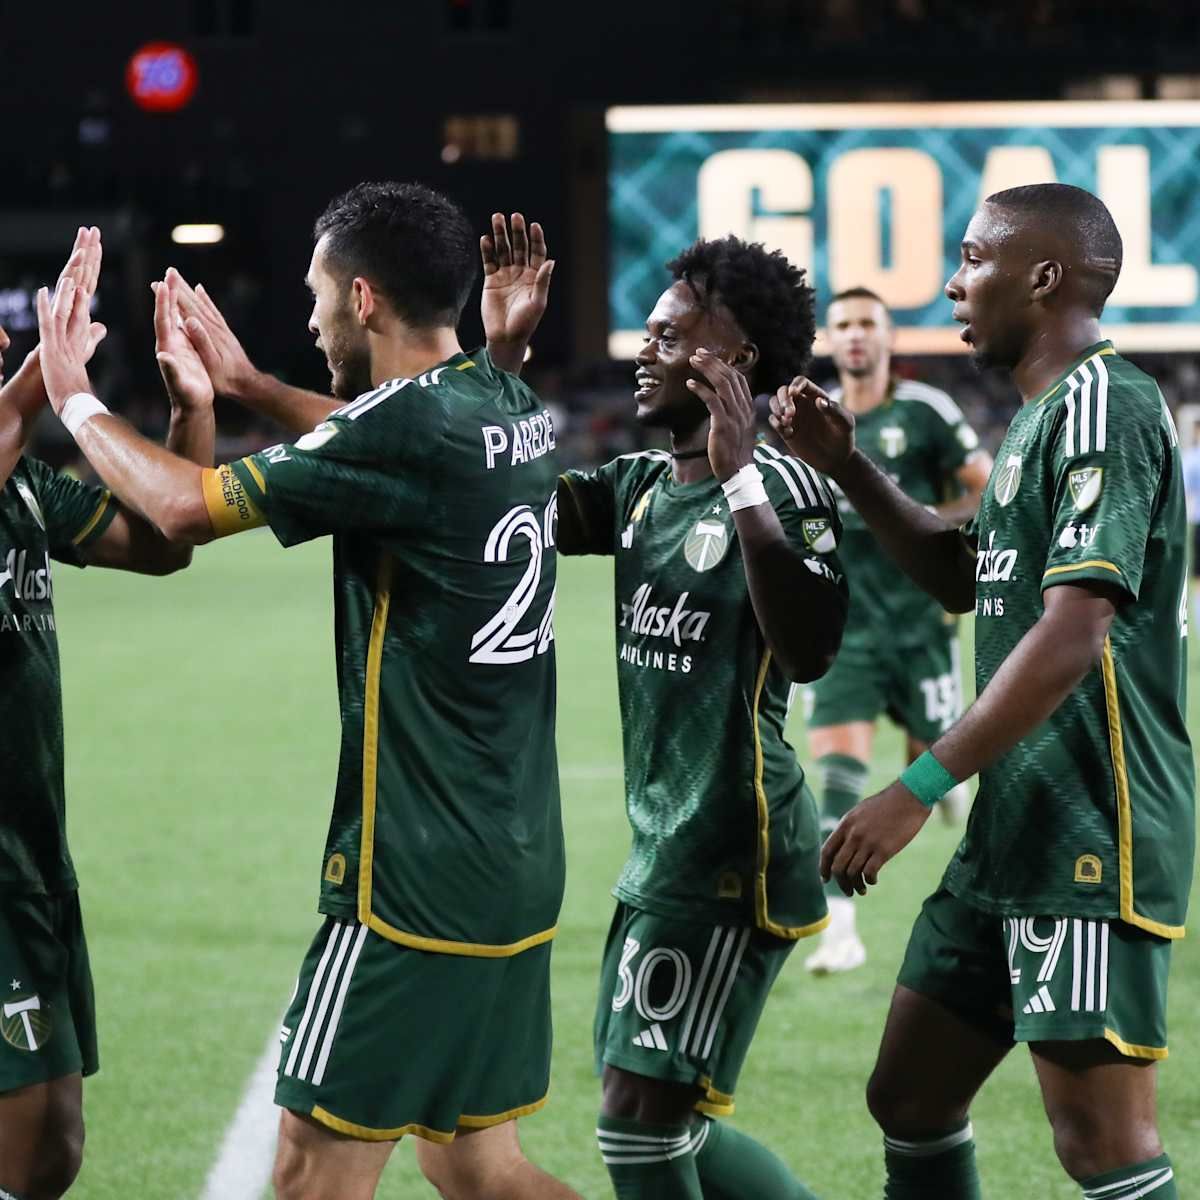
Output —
<point x="878" y="196"/>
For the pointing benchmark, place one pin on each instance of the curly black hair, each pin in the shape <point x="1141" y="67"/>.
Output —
<point x="411" y="242"/>
<point x="767" y="296"/>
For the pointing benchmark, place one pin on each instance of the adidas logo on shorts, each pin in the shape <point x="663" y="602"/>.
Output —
<point x="652" y="1038"/>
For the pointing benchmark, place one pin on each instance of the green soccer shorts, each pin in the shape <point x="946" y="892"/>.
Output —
<point x="681" y="1001"/>
<point x="47" y="1005"/>
<point x="1042" y="979"/>
<point x="919" y="688"/>
<point x="381" y="1040"/>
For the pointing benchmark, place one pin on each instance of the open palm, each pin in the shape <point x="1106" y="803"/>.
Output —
<point x="188" y="383"/>
<point x="516" y="279"/>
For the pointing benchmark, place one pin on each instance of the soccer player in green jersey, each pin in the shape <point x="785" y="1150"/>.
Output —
<point x="47" y="1011"/>
<point x="900" y="652"/>
<point x="727" y="590"/>
<point x="1054" y="922"/>
<point x="423" y="1005"/>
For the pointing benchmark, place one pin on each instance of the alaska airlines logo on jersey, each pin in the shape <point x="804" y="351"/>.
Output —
<point x="893" y="441"/>
<point x="528" y="438"/>
<point x="818" y="534"/>
<point x="1008" y="480"/>
<point x="26" y="494"/>
<point x="705" y="546"/>
<point x="1074" y="536"/>
<point x="29" y="583"/>
<point x="678" y="622"/>
<point x="992" y="565"/>
<point x="1085" y="486"/>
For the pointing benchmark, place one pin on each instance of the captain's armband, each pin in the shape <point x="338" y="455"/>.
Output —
<point x="230" y="508"/>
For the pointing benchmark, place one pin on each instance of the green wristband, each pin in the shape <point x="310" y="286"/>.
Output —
<point x="927" y="779"/>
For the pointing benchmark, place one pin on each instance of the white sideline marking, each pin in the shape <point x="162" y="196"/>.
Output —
<point x="243" y="1166"/>
<point x="597" y="771"/>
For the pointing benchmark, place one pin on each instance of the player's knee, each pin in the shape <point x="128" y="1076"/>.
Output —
<point x="60" y="1156"/>
<point x="289" y="1177"/>
<point x="473" y="1177"/>
<point x="1087" y="1145"/>
<point x="630" y="1097"/>
<point x="901" y="1112"/>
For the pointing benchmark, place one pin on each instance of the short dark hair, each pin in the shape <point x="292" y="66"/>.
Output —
<point x="858" y="293"/>
<point x="766" y="295"/>
<point x="411" y="242"/>
<point x="1082" y="217"/>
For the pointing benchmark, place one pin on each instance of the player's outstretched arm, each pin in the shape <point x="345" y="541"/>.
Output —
<point x="516" y="288"/>
<point x="821" y="432"/>
<point x="801" y="613"/>
<point x="230" y="369"/>
<point x="163" y="488"/>
<point x="1046" y="665"/>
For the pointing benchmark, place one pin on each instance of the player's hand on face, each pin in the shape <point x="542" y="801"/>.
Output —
<point x="223" y="357"/>
<point x="188" y="383"/>
<point x="872" y="832"/>
<point x="516" y="279"/>
<point x="813" y="427"/>
<point x="730" y="403"/>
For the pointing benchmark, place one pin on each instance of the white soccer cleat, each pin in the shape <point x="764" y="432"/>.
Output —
<point x="955" y="804"/>
<point x="841" y="948"/>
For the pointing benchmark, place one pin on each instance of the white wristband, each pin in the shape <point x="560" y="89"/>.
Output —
<point x="745" y="488"/>
<point x="79" y="408"/>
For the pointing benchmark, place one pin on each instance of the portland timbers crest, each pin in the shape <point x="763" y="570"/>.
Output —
<point x="1085" y="486"/>
<point x="1008" y="479"/>
<point x="818" y="534"/>
<point x="893" y="441"/>
<point x="24" y="1022"/>
<point x="706" y="544"/>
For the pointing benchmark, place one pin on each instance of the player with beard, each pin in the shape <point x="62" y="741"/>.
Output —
<point x="1054" y="922"/>
<point x="423" y="1005"/>
<point x="900" y="654"/>
<point x="727" y="589"/>
<point x="48" y="1040"/>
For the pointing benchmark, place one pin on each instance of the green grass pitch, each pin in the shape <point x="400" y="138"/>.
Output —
<point x="201" y="750"/>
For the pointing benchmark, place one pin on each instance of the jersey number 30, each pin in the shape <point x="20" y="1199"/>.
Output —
<point x="497" y="641"/>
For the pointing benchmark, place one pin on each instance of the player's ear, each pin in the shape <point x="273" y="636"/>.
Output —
<point x="744" y="358"/>
<point x="363" y="300"/>
<point x="1046" y="278"/>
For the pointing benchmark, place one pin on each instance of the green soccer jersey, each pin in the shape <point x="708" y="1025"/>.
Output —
<point x="919" y="437"/>
<point x="1091" y="814"/>
<point x="43" y="516"/>
<point x="724" y="827"/>
<point x="440" y="494"/>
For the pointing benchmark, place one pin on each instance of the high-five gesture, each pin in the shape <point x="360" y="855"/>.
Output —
<point x="516" y="287"/>
<point x="188" y="383"/>
<point x="226" y="362"/>
<point x="814" y="427"/>
<point x="69" y="337"/>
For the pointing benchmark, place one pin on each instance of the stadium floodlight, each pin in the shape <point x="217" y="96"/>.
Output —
<point x="198" y="234"/>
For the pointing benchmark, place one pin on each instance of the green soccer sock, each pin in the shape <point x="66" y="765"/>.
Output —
<point x="649" y="1162"/>
<point x="733" y="1166"/>
<point x="1154" y="1178"/>
<point x="943" y="1167"/>
<point x="843" y="782"/>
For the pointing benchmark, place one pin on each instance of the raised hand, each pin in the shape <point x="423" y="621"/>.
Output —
<point x="872" y="832"/>
<point x="182" y="369"/>
<point x="731" y="411"/>
<point x="221" y="354"/>
<point x="516" y="283"/>
<point x="813" y="427"/>
<point x="4" y="345"/>
<point x="64" y="327"/>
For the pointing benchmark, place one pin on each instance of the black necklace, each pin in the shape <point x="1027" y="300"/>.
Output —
<point x="690" y="453"/>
